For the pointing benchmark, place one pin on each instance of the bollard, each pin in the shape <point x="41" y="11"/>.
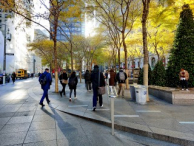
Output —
<point x="112" y="112"/>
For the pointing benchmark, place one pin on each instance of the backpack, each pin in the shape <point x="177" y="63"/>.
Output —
<point x="88" y="76"/>
<point x="43" y="80"/>
<point x="122" y="76"/>
<point x="72" y="82"/>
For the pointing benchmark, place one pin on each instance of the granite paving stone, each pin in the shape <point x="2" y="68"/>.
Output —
<point x="11" y="128"/>
<point x="21" y="119"/>
<point x="40" y="135"/>
<point x="42" y="143"/>
<point x="12" y="138"/>
<point x="4" y="120"/>
<point x="42" y="125"/>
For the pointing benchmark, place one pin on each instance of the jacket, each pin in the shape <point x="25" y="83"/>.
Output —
<point x="87" y="77"/>
<point x="63" y="76"/>
<point x="184" y="74"/>
<point x="112" y="79"/>
<point x="118" y="78"/>
<point x="48" y="81"/>
<point x="94" y="79"/>
<point x="73" y="77"/>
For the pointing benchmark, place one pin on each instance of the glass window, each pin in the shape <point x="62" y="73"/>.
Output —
<point x="153" y="62"/>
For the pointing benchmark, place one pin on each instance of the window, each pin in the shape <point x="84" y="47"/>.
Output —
<point x="153" y="61"/>
<point x="0" y="15"/>
<point x="5" y="15"/>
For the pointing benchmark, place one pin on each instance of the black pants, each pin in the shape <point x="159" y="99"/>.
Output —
<point x="184" y="83"/>
<point x="63" y="90"/>
<point x="100" y="100"/>
<point x="13" y="79"/>
<point x="88" y="85"/>
<point x="74" y="92"/>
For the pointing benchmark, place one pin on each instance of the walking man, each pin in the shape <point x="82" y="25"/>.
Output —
<point x="45" y="81"/>
<point x="87" y="77"/>
<point x="63" y="80"/>
<point x="121" y="78"/>
<point x="13" y="76"/>
<point x="97" y="82"/>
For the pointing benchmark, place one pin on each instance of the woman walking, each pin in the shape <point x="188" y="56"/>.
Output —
<point x="112" y="81"/>
<point x="63" y="80"/>
<point x="72" y="84"/>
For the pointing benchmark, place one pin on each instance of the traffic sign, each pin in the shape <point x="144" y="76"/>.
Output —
<point x="9" y="53"/>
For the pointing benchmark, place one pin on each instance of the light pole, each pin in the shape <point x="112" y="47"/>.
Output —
<point x="4" y="54"/>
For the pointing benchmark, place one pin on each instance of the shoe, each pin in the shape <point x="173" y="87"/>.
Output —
<point x="42" y="104"/>
<point x="101" y="105"/>
<point x="69" y="99"/>
<point x="122" y="96"/>
<point x="75" y="97"/>
<point x="182" y="89"/>
<point x="48" y="101"/>
<point x="94" y="108"/>
<point x="187" y="89"/>
<point x="60" y="93"/>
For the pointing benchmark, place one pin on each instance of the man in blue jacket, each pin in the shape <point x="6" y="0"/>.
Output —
<point x="45" y="81"/>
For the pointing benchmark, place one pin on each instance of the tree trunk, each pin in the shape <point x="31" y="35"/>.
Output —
<point x="126" y="64"/>
<point x="71" y="58"/>
<point x="119" y="61"/>
<point x="56" y="66"/>
<point x="145" y="48"/>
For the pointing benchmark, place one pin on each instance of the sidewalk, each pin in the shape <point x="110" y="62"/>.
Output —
<point x="158" y="119"/>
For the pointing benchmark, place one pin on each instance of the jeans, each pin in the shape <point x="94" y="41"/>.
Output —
<point x="121" y="87"/>
<point x="63" y="90"/>
<point x="88" y="85"/>
<point x="95" y="99"/>
<point x="74" y="92"/>
<point x="184" y="83"/>
<point x="45" y="94"/>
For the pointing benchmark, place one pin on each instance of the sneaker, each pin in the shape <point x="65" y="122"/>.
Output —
<point x="187" y="89"/>
<point x="42" y="104"/>
<point x="94" y="108"/>
<point x="48" y="101"/>
<point x="101" y="105"/>
<point x="70" y="99"/>
<point x="75" y="97"/>
<point x="60" y="93"/>
<point x="182" y="89"/>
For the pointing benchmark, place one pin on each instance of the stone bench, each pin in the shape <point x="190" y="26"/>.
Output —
<point x="172" y="95"/>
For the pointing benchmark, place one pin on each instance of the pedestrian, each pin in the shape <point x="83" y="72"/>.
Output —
<point x="63" y="80"/>
<point x="13" y="76"/>
<point x="73" y="85"/>
<point x="112" y="81"/>
<point x="87" y="78"/>
<point x="45" y="80"/>
<point x="184" y="77"/>
<point x="121" y="78"/>
<point x="39" y="74"/>
<point x="96" y="83"/>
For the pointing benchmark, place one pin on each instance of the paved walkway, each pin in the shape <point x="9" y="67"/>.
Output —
<point x="158" y="119"/>
<point x="24" y="123"/>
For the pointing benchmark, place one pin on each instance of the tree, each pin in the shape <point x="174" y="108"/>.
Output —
<point x="159" y="74"/>
<point x="182" y="53"/>
<point x="56" y="11"/>
<point x="145" y="45"/>
<point x="140" y="78"/>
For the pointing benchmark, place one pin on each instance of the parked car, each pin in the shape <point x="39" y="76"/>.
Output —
<point x="7" y="78"/>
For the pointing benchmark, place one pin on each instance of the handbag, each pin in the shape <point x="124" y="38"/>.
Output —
<point x="101" y="90"/>
<point x="64" y="81"/>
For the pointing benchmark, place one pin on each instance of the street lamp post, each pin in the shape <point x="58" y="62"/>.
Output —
<point x="4" y="56"/>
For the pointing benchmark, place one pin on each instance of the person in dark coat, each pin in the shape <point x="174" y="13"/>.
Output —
<point x="112" y="79"/>
<point x="121" y="78"/>
<point x="63" y="80"/>
<point x="46" y="86"/>
<point x="96" y="84"/>
<point x="73" y="84"/>
<point x="87" y="78"/>
<point x="13" y="76"/>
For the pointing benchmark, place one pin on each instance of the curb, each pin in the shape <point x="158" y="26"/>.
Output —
<point x="154" y="135"/>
